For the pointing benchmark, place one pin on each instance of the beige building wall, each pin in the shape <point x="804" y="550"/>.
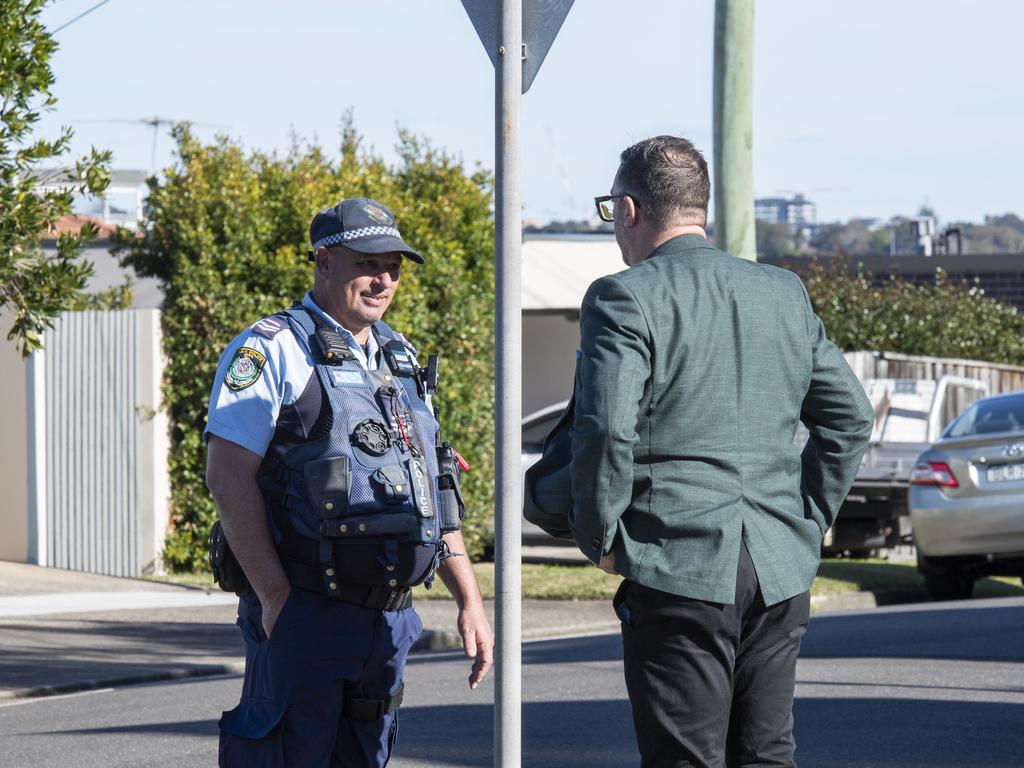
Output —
<point x="154" y="443"/>
<point x="14" y="529"/>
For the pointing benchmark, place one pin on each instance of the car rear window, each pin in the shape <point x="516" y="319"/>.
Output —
<point x="1003" y="414"/>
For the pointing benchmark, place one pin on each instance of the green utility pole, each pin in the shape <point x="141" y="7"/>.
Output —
<point x="733" y="128"/>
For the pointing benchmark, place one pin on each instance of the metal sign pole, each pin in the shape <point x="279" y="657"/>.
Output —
<point x="508" y="362"/>
<point x="506" y="29"/>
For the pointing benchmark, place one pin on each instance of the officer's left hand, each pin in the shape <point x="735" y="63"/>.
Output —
<point x="607" y="564"/>
<point x="478" y="641"/>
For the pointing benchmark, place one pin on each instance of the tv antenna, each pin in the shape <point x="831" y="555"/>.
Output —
<point x="155" y="122"/>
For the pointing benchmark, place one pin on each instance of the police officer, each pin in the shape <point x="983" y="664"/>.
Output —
<point x="336" y="496"/>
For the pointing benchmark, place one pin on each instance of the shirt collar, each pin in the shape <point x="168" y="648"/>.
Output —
<point x="371" y="364"/>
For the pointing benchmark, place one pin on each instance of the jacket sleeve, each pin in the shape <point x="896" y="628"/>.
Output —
<point x="839" y="418"/>
<point x="614" y="367"/>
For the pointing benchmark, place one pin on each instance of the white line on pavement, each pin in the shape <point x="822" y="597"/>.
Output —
<point x="37" y="699"/>
<point x="81" y="602"/>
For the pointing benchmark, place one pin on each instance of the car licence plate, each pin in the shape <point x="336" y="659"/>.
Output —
<point x="1004" y="473"/>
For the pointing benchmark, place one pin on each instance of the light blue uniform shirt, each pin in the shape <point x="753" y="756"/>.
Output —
<point x="263" y="369"/>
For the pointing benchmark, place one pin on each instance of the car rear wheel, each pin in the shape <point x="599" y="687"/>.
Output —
<point x="949" y="585"/>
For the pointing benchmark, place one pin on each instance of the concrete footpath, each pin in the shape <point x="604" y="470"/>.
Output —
<point x="64" y="631"/>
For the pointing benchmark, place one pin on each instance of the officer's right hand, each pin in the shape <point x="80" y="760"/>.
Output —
<point x="477" y="640"/>
<point x="272" y="605"/>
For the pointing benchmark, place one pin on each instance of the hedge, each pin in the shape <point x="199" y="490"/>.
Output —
<point x="226" y="234"/>
<point x="884" y="313"/>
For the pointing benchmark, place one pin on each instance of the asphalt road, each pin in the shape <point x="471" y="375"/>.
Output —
<point x="931" y="685"/>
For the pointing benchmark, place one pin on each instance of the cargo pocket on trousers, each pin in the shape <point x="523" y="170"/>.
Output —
<point x="251" y="733"/>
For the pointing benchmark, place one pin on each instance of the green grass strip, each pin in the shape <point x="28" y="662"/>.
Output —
<point x="585" y="582"/>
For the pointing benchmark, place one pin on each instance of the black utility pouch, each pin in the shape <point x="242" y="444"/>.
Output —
<point x="327" y="483"/>
<point x="225" y="568"/>
<point x="393" y="483"/>
<point x="453" y="508"/>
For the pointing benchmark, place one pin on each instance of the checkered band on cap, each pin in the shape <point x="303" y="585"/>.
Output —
<point x="355" y="234"/>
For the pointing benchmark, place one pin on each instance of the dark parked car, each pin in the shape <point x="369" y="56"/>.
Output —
<point x="537" y="545"/>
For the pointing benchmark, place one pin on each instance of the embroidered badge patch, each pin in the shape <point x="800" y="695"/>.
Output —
<point x="245" y="369"/>
<point x="375" y="213"/>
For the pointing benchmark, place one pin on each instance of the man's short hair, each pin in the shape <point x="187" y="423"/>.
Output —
<point x="668" y="178"/>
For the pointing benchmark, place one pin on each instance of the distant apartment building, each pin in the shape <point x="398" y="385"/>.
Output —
<point x="799" y="212"/>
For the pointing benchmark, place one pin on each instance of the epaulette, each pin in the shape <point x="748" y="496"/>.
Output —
<point x="270" y="326"/>
<point x="405" y="342"/>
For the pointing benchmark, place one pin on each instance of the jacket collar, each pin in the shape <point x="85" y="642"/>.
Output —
<point x="682" y="244"/>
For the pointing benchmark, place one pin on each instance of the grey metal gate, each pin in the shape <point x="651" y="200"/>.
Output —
<point x="100" y="492"/>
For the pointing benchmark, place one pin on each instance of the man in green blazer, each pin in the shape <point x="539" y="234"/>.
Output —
<point x="695" y="369"/>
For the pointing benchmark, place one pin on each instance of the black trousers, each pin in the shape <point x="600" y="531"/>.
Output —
<point x="711" y="685"/>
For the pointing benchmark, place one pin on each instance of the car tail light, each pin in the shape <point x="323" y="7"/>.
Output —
<point x="933" y="473"/>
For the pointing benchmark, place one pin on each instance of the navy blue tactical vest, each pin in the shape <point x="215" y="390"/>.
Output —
<point x="360" y="498"/>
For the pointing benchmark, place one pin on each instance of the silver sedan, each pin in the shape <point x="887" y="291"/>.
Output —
<point x="967" y="498"/>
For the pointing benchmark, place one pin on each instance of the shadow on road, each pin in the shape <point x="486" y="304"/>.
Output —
<point x="181" y="728"/>
<point x="62" y="653"/>
<point x="948" y="632"/>
<point x="907" y="733"/>
<point x="555" y="733"/>
<point x="576" y="650"/>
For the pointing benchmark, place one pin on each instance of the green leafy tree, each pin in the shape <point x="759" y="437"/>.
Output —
<point x="774" y="239"/>
<point x="227" y="235"/>
<point x="941" y="319"/>
<point x="1011" y="220"/>
<point x="999" y="234"/>
<point x="36" y="287"/>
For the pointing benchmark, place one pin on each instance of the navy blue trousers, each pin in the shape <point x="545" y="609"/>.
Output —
<point x="290" y="713"/>
<point x="711" y="685"/>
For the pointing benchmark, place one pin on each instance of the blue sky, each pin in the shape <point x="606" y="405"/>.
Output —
<point x="870" y="108"/>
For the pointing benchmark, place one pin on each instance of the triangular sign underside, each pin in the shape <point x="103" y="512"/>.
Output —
<point x="541" y="21"/>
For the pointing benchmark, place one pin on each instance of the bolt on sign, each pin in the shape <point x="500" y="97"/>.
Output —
<point x="541" y="21"/>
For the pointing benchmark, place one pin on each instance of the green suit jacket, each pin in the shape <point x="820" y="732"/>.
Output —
<point x="695" y="368"/>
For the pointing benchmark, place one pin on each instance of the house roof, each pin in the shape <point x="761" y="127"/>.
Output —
<point x="558" y="270"/>
<point x="72" y="224"/>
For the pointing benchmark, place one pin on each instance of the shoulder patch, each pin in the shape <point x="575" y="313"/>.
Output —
<point x="269" y="327"/>
<point x="245" y="369"/>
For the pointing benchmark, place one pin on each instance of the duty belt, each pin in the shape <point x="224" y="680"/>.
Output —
<point x="379" y="598"/>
